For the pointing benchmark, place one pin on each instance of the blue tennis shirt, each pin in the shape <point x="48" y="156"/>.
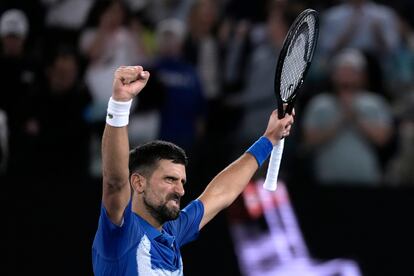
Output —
<point x="137" y="248"/>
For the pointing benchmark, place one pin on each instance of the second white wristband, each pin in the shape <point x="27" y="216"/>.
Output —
<point x="118" y="113"/>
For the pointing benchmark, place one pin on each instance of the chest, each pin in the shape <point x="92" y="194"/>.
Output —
<point x="155" y="258"/>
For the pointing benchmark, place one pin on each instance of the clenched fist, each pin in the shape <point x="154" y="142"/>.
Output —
<point x="279" y="128"/>
<point x="128" y="82"/>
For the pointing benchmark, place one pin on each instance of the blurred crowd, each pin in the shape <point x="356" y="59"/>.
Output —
<point x="212" y="65"/>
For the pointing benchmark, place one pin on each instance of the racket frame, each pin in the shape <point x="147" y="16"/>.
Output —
<point x="276" y="155"/>
<point x="278" y="73"/>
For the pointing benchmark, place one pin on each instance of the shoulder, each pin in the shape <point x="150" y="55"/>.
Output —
<point x="113" y="241"/>
<point x="108" y="231"/>
<point x="193" y="210"/>
<point x="368" y="98"/>
<point x="374" y="107"/>
<point x="186" y="227"/>
<point x="195" y="206"/>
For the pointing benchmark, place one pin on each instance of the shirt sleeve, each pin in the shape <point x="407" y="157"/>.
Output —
<point x="186" y="227"/>
<point x="111" y="240"/>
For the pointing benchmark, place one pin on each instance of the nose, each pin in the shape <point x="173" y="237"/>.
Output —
<point x="179" y="189"/>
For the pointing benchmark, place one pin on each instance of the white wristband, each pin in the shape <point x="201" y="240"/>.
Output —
<point x="118" y="113"/>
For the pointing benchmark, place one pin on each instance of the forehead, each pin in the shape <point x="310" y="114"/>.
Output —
<point x="168" y="167"/>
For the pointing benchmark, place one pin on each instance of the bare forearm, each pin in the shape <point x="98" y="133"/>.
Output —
<point x="115" y="152"/>
<point x="230" y="183"/>
<point x="379" y="135"/>
<point x="232" y="180"/>
<point x="116" y="193"/>
<point x="227" y="186"/>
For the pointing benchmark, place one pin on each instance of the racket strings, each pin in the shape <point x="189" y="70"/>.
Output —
<point x="299" y="53"/>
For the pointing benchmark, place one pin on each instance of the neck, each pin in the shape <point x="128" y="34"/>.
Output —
<point x="139" y="208"/>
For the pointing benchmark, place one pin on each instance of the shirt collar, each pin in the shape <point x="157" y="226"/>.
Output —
<point x="154" y="234"/>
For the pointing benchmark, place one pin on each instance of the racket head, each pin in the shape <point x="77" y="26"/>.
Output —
<point x="295" y="59"/>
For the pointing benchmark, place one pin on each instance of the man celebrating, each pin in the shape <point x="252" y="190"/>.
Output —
<point x="141" y="227"/>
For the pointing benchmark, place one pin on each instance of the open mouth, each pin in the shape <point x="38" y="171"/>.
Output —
<point x="176" y="202"/>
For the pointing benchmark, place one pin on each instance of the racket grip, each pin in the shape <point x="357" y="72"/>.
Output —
<point x="270" y="183"/>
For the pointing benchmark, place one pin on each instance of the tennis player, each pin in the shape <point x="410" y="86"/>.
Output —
<point x="141" y="227"/>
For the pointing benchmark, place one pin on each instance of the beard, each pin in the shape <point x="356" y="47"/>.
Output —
<point x="162" y="212"/>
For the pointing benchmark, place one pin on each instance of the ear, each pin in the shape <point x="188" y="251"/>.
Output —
<point x="138" y="182"/>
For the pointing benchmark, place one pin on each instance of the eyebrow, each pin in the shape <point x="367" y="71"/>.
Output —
<point x="183" y="181"/>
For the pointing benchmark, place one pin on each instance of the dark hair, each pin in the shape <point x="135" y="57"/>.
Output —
<point x="99" y="7"/>
<point x="144" y="158"/>
<point x="61" y="50"/>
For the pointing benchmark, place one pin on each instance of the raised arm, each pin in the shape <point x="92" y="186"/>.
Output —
<point x="230" y="182"/>
<point x="116" y="192"/>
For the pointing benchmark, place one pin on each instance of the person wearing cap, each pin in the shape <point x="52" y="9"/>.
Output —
<point x="19" y="74"/>
<point x="13" y="31"/>
<point x="183" y="109"/>
<point x="343" y="129"/>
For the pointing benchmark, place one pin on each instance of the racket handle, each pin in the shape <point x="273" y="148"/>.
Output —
<point x="270" y="183"/>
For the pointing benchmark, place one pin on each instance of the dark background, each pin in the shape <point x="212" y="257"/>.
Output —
<point x="50" y="200"/>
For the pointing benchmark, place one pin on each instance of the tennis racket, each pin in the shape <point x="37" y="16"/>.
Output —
<point x="292" y="65"/>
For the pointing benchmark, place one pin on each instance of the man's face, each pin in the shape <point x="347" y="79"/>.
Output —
<point x="348" y="78"/>
<point x="164" y="190"/>
<point x="63" y="73"/>
<point x="13" y="45"/>
<point x="170" y="44"/>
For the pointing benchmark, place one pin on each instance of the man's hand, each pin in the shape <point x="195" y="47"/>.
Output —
<point x="128" y="82"/>
<point x="278" y="128"/>
<point x="231" y="181"/>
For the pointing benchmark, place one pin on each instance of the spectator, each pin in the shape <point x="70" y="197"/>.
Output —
<point x="182" y="114"/>
<point x="257" y="97"/>
<point x="400" y="170"/>
<point x="402" y="74"/>
<point x="61" y="112"/>
<point x="109" y="43"/>
<point x="19" y="73"/>
<point x="344" y="129"/>
<point x="155" y="11"/>
<point x="204" y="49"/>
<point x="60" y="164"/>
<point x="62" y="25"/>
<point x="361" y="24"/>
<point x="201" y="47"/>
